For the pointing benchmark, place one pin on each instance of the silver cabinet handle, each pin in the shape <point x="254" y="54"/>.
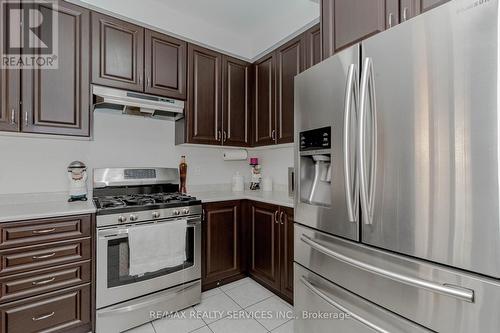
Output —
<point x="460" y="293"/>
<point x="45" y="256"/>
<point x="44" y="231"/>
<point x="281" y="217"/>
<point x="405" y="14"/>
<point x="325" y="297"/>
<point x="38" y="283"/>
<point x="224" y="136"/>
<point x="43" y="317"/>
<point x="140" y="79"/>
<point x="13" y="116"/>
<point x="26" y="118"/>
<point x="391" y="16"/>
<point x="273" y="135"/>
<point x="350" y="181"/>
<point x="148" y="81"/>
<point x="276" y="217"/>
<point x="218" y="136"/>
<point x="367" y="96"/>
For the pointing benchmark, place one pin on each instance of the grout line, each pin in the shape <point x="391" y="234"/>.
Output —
<point x="286" y="322"/>
<point x="153" y="326"/>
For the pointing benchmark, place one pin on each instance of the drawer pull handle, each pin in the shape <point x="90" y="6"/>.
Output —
<point x="44" y="231"/>
<point x="38" y="283"/>
<point x="43" y="317"/>
<point x="44" y="256"/>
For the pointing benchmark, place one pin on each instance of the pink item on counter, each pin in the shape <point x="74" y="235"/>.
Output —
<point x="254" y="161"/>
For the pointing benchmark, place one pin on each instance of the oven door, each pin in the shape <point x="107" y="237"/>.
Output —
<point x="115" y="284"/>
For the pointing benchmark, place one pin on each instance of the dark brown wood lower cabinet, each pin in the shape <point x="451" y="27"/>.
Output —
<point x="286" y="222"/>
<point x="221" y="243"/>
<point x="271" y="247"/>
<point x="67" y="310"/>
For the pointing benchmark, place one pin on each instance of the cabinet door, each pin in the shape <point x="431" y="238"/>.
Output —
<point x="57" y="101"/>
<point x="9" y="81"/>
<point x="204" y="114"/>
<point x="264" y="244"/>
<point x="291" y="61"/>
<point x="409" y="9"/>
<point x="117" y="53"/>
<point x="221" y="237"/>
<point x="165" y="65"/>
<point x="426" y="5"/>
<point x="356" y="20"/>
<point x="286" y="265"/>
<point x="313" y="46"/>
<point x="236" y="99"/>
<point x="265" y="93"/>
<point x="392" y="16"/>
<point x="327" y="21"/>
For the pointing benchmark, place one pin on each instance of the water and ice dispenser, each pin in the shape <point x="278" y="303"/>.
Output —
<point x="316" y="167"/>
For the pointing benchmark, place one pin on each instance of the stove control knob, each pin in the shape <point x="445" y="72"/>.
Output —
<point x="185" y="211"/>
<point x="133" y="218"/>
<point x="122" y="219"/>
<point x="176" y="212"/>
<point x="156" y="215"/>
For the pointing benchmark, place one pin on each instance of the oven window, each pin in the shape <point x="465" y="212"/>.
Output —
<point x="118" y="262"/>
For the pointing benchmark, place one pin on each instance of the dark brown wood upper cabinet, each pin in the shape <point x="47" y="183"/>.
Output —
<point x="221" y="241"/>
<point x="9" y="83"/>
<point x="327" y="23"/>
<point x="117" y="53"/>
<point x="426" y="5"/>
<point x="203" y="116"/>
<point x="165" y="65"/>
<point x="356" y="20"/>
<point x="57" y="101"/>
<point x="265" y="99"/>
<point x="392" y="13"/>
<point x="290" y="62"/>
<point x="286" y="234"/>
<point x="264" y="228"/>
<point x="236" y="101"/>
<point x="409" y="9"/>
<point x="313" y="46"/>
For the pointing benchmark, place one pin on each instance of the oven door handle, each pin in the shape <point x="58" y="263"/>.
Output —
<point x="136" y="306"/>
<point x="121" y="232"/>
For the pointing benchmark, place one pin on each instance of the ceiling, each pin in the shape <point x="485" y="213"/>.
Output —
<point x="245" y="28"/>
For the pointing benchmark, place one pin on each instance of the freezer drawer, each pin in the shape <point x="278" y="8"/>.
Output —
<point x="419" y="291"/>
<point x="342" y="310"/>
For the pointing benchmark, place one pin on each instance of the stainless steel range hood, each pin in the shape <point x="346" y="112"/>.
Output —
<point x="137" y="104"/>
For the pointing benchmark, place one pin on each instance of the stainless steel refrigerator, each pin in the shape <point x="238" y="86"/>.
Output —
<point x="397" y="160"/>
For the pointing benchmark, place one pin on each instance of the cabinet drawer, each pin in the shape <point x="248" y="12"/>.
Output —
<point x="14" y="287"/>
<point x="46" y="230"/>
<point x="39" y="256"/>
<point x="64" y="310"/>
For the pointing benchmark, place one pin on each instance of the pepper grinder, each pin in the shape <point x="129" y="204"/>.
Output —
<point x="183" y="175"/>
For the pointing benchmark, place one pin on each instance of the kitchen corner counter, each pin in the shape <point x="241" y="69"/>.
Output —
<point x="279" y="198"/>
<point x="17" y="207"/>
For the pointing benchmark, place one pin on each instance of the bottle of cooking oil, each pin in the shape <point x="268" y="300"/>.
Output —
<point x="183" y="174"/>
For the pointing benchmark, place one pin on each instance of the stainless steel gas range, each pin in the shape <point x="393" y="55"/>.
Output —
<point x="128" y="198"/>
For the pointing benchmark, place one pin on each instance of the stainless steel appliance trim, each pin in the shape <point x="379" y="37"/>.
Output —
<point x="104" y="177"/>
<point x="444" y="289"/>
<point x="135" y="306"/>
<point x="374" y="145"/>
<point x="351" y="92"/>
<point x="318" y="292"/>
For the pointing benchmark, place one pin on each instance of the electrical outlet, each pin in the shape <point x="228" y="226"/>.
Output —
<point x="197" y="171"/>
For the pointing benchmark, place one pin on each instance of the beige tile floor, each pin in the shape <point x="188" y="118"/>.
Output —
<point x="243" y="306"/>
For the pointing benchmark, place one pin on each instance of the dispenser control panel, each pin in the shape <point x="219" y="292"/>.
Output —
<point x="319" y="138"/>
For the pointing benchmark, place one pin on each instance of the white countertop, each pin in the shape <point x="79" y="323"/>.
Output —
<point x="280" y="198"/>
<point x="15" y="207"/>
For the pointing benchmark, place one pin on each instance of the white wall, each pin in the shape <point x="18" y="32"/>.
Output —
<point x="275" y="163"/>
<point x="39" y="164"/>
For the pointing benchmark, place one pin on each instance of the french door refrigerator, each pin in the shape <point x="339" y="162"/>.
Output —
<point x="398" y="179"/>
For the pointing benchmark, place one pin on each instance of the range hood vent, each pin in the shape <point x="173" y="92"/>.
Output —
<point x="137" y="104"/>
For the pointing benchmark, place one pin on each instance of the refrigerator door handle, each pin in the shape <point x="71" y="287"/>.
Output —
<point x="330" y="301"/>
<point x="351" y="186"/>
<point x="367" y="97"/>
<point x="449" y="290"/>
